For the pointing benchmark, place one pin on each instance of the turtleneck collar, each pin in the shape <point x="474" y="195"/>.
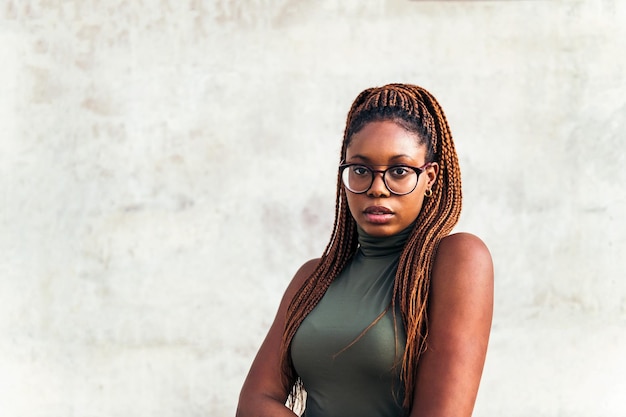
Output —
<point x="383" y="246"/>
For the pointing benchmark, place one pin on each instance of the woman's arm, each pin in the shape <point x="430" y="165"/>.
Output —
<point x="263" y="393"/>
<point x="459" y="322"/>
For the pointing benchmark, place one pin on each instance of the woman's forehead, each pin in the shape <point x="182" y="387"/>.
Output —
<point x="386" y="141"/>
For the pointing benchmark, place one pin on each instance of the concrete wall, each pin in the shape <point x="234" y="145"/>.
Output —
<point x="165" y="167"/>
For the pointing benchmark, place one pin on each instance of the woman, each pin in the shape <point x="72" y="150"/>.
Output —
<point x="393" y="320"/>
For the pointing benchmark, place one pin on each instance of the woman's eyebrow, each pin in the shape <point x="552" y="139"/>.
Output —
<point x="393" y="158"/>
<point x="361" y="157"/>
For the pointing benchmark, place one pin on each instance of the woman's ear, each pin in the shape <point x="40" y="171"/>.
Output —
<point x="431" y="172"/>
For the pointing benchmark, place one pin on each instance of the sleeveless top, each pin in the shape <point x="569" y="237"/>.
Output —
<point x="361" y="380"/>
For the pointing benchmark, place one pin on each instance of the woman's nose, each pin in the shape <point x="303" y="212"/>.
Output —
<point x="378" y="187"/>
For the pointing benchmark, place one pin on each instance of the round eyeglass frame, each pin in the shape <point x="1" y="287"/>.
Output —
<point x="417" y="170"/>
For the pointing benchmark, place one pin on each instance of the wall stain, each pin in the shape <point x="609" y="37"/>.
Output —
<point x="98" y="106"/>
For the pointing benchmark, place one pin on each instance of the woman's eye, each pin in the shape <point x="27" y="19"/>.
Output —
<point x="359" y="170"/>
<point x="399" y="171"/>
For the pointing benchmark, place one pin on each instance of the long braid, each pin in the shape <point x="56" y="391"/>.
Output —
<point x="417" y="110"/>
<point x="437" y="218"/>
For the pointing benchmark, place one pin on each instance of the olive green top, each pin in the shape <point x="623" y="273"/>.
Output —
<point x="362" y="380"/>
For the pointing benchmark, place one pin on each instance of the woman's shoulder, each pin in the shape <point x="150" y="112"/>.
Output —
<point x="463" y="242"/>
<point x="306" y="269"/>
<point x="463" y="255"/>
<point x="301" y="276"/>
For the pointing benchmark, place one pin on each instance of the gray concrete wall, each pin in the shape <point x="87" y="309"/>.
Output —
<point x="166" y="166"/>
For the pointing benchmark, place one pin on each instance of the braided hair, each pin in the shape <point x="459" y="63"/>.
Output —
<point x="417" y="111"/>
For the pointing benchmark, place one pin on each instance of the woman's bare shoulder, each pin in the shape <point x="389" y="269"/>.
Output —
<point x="464" y="251"/>
<point x="300" y="277"/>
<point x="462" y="265"/>
<point x="307" y="268"/>
<point x="463" y="241"/>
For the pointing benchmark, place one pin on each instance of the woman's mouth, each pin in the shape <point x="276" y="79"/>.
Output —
<point x="378" y="214"/>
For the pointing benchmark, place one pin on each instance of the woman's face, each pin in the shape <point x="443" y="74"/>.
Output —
<point x="379" y="145"/>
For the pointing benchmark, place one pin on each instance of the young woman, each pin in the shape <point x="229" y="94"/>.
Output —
<point x="393" y="320"/>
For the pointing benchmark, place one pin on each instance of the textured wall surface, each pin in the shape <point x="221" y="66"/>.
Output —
<point x="166" y="166"/>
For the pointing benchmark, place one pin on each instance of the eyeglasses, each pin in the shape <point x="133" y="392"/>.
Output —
<point x="399" y="179"/>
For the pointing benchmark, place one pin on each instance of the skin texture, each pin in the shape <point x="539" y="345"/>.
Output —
<point x="461" y="292"/>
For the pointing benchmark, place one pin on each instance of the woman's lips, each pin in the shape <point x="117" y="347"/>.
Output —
<point x="378" y="214"/>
